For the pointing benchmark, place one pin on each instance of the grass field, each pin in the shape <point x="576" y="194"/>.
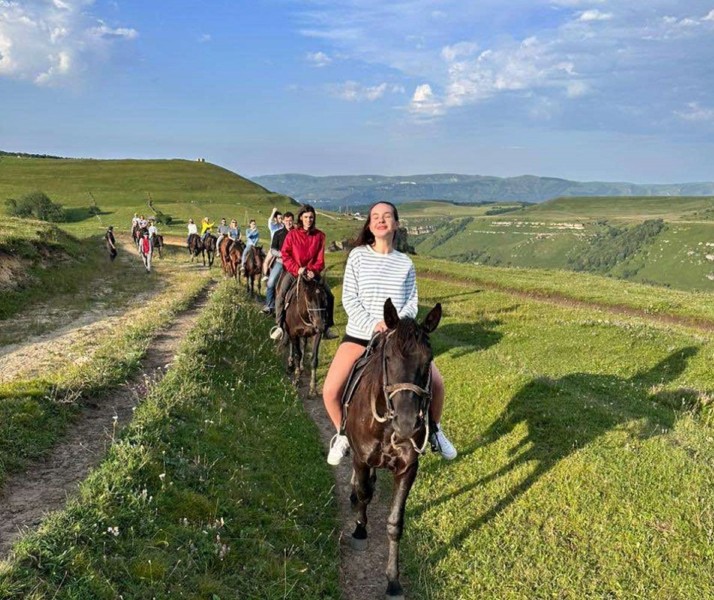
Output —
<point x="585" y="434"/>
<point x="179" y="188"/>
<point x="586" y="463"/>
<point x="218" y="489"/>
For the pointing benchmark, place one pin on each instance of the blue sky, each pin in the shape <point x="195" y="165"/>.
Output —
<point x="591" y="90"/>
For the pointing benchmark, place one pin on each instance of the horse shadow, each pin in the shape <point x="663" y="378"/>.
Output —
<point x="563" y="416"/>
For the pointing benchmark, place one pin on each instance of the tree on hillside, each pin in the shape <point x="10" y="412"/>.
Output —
<point x="37" y="205"/>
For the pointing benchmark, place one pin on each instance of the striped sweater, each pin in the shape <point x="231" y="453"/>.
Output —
<point x="371" y="278"/>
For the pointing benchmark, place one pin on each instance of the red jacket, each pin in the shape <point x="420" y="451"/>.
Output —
<point x="304" y="249"/>
<point x="145" y="245"/>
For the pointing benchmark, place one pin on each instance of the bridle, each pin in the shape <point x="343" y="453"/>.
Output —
<point x="392" y="389"/>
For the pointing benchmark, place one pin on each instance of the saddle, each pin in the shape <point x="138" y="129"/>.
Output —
<point x="356" y="375"/>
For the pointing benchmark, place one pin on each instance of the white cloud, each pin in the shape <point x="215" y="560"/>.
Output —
<point x="570" y="59"/>
<point x="594" y="15"/>
<point x="356" y="92"/>
<point x="205" y="38"/>
<point x="318" y="59"/>
<point x="424" y="103"/>
<point x="697" y="113"/>
<point x="461" y="49"/>
<point x="52" y="42"/>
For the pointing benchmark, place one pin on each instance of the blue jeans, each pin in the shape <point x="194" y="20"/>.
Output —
<point x="245" y="254"/>
<point x="272" y="282"/>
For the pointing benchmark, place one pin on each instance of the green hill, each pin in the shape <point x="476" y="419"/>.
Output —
<point x="601" y="235"/>
<point x="179" y="188"/>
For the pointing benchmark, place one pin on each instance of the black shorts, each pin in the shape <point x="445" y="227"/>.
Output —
<point x="354" y="340"/>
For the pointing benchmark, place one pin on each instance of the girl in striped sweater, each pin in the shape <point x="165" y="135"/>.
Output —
<point x="375" y="271"/>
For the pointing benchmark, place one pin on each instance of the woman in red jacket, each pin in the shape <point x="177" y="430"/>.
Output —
<point x="303" y="253"/>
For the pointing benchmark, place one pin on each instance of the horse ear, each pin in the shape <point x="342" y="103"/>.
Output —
<point x="431" y="321"/>
<point x="391" y="317"/>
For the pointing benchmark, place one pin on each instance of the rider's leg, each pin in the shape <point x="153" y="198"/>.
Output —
<point x="272" y="282"/>
<point x="439" y="441"/>
<point x="336" y="379"/>
<point x="437" y="394"/>
<point x="244" y="256"/>
<point x="330" y="313"/>
<point x="283" y="286"/>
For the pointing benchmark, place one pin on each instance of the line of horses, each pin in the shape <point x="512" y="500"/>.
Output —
<point x="387" y="417"/>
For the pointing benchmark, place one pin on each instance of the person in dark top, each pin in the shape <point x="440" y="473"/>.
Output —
<point x="111" y="243"/>
<point x="275" y="247"/>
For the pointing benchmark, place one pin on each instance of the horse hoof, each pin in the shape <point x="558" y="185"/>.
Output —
<point x="358" y="545"/>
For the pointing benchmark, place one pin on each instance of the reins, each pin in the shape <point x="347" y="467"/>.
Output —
<point x="391" y="389"/>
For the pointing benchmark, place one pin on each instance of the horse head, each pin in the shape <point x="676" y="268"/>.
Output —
<point x="406" y="370"/>
<point x="312" y="302"/>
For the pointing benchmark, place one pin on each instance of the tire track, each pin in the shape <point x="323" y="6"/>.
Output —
<point x="45" y="486"/>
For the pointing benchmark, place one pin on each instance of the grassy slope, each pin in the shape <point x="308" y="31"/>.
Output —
<point x="531" y="238"/>
<point x="586" y="461"/>
<point x="218" y="489"/>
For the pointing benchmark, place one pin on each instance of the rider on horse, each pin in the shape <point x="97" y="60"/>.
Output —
<point x="252" y="235"/>
<point x="206" y="227"/>
<point x="303" y="254"/>
<point x="275" y="224"/>
<point x="375" y="271"/>
<point x="275" y="249"/>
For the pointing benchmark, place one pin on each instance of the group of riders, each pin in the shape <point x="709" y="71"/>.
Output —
<point x="147" y="239"/>
<point x="375" y="272"/>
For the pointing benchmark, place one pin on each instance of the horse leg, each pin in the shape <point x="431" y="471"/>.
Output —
<point x="313" y="363"/>
<point x="395" y="527"/>
<point x="363" y="479"/>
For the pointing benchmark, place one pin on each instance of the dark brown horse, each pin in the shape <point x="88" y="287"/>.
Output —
<point x="253" y="269"/>
<point x="209" y="245"/>
<point x="304" y="318"/>
<point x="137" y="233"/>
<point x="157" y="242"/>
<point x="195" y="246"/>
<point x="387" y="423"/>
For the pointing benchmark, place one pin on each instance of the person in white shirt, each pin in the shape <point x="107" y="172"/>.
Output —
<point x="275" y="224"/>
<point x="192" y="228"/>
<point x="376" y="271"/>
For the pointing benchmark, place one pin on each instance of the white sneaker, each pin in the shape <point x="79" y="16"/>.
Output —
<point x="264" y="278"/>
<point x="339" y="447"/>
<point x="276" y="333"/>
<point x="441" y="444"/>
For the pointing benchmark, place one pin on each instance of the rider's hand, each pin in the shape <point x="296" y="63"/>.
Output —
<point x="301" y="270"/>
<point x="380" y="327"/>
<point x="311" y="275"/>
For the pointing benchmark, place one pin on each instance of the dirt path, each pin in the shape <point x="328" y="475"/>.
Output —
<point x="27" y="496"/>
<point x="362" y="574"/>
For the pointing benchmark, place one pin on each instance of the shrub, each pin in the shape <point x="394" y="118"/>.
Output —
<point x="37" y="205"/>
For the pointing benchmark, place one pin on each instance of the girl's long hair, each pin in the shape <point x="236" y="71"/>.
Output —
<point x="306" y="208"/>
<point x="365" y="237"/>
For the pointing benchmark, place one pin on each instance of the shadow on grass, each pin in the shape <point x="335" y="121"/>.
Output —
<point x="82" y="213"/>
<point x="465" y="338"/>
<point x="563" y="416"/>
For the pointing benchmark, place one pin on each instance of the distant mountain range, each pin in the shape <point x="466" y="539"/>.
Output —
<point x="355" y="190"/>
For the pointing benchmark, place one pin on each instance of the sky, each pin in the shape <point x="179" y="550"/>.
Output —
<point x="608" y="90"/>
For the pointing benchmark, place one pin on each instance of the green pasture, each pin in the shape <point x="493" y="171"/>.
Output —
<point x="218" y="489"/>
<point x="635" y="208"/>
<point x="179" y="188"/>
<point x="596" y="289"/>
<point x="585" y="439"/>
<point x="425" y="209"/>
